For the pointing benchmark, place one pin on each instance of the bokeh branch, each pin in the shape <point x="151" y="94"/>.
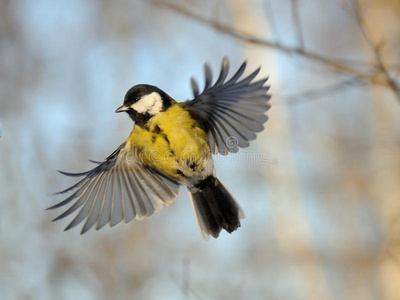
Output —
<point x="376" y="47"/>
<point x="297" y="23"/>
<point x="271" y="19"/>
<point x="315" y="93"/>
<point x="373" y="76"/>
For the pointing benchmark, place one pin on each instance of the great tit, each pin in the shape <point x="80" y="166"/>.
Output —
<point x="172" y="144"/>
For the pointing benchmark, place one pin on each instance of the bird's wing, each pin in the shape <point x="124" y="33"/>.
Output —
<point x="231" y="111"/>
<point x="120" y="188"/>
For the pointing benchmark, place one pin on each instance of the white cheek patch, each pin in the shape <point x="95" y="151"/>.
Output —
<point x="151" y="104"/>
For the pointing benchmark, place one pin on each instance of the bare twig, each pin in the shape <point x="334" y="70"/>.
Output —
<point x="335" y="65"/>
<point x="376" y="47"/>
<point x="372" y="77"/>
<point x="184" y="282"/>
<point x="271" y="19"/>
<point x="186" y="278"/>
<point x="297" y="23"/>
<point x="311" y="94"/>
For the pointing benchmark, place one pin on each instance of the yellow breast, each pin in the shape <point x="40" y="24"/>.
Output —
<point x="173" y="143"/>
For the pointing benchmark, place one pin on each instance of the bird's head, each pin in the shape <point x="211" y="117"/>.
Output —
<point x="142" y="102"/>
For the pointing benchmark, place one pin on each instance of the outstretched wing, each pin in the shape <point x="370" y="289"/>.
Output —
<point x="231" y="111"/>
<point x="120" y="188"/>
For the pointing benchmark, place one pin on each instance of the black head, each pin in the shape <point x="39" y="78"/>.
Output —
<point x="143" y="101"/>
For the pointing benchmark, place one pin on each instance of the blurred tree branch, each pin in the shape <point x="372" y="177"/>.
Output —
<point x="378" y="73"/>
<point x="271" y="19"/>
<point x="376" y="47"/>
<point x="187" y="290"/>
<point x="296" y="23"/>
<point x="312" y="94"/>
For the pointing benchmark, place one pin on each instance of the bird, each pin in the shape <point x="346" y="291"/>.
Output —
<point x="171" y="145"/>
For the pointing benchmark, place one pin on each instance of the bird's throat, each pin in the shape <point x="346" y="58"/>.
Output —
<point x="138" y="118"/>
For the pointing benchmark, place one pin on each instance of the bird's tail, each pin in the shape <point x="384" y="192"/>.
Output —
<point x="214" y="207"/>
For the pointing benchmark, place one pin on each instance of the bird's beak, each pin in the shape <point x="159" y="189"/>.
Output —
<point x="121" y="109"/>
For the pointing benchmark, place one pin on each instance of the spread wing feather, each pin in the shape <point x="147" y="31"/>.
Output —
<point x="116" y="190"/>
<point x="231" y="111"/>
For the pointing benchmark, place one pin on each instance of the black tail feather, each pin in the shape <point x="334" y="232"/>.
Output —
<point x="215" y="208"/>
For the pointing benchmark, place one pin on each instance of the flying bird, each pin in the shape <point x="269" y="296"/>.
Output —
<point x="172" y="144"/>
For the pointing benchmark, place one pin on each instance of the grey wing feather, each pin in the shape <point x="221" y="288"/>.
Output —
<point x="231" y="111"/>
<point x="116" y="190"/>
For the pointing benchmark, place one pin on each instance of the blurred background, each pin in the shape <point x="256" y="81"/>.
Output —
<point x="320" y="187"/>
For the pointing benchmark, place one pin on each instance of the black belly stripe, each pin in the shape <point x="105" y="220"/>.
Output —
<point x="158" y="131"/>
<point x="166" y="139"/>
